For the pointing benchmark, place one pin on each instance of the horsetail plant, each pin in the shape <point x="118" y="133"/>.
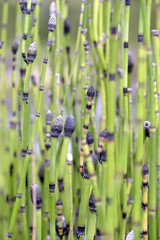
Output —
<point x="92" y="217"/>
<point x="31" y="56"/>
<point x="84" y="199"/>
<point x="139" y="147"/>
<point x="116" y="121"/>
<point x="55" y="133"/>
<point x="68" y="131"/>
<point x="145" y="202"/>
<point x="45" y="206"/>
<point x="38" y="202"/>
<point x="152" y="166"/>
<point x="98" y="202"/>
<point x="13" y="123"/>
<point x="69" y="162"/>
<point x="61" y="226"/>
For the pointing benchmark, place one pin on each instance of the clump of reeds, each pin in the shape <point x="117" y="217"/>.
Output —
<point x="98" y="175"/>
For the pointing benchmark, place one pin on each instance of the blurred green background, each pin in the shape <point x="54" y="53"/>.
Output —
<point x="74" y="11"/>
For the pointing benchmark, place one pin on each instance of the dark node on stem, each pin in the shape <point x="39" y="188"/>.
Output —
<point x="78" y="193"/>
<point x="125" y="91"/>
<point x="31" y="230"/>
<point x="21" y="5"/>
<point x="23" y="153"/>
<point x="69" y="126"/>
<point x="125" y="176"/>
<point x="24" y="38"/>
<point x="104" y="134"/>
<point x="110" y="137"/>
<point x="112" y="77"/>
<point x="86" y="46"/>
<point x="48" y="117"/>
<point x="62" y="80"/>
<point x="89" y="138"/>
<point x="98" y="234"/>
<point x="88" y="107"/>
<point x="41" y="172"/>
<point x="85" y="174"/>
<point x="32" y="52"/>
<point x="130" y="62"/>
<point x="28" y="11"/>
<point x="92" y="206"/>
<point x="7" y="199"/>
<point x="144" y="205"/>
<point x="67" y="26"/>
<point x="104" y="47"/>
<point x="35" y="187"/>
<point x="59" y="203"/>
<point x="13" y="124"/>
<point x="15" y="47"/>
<point x="47" y="163"/>
<point x="7" y="149"/>
<point x="9" y="235"/>
<point x="105" y="73"/>
<point x="99" y="157"/>
<point x="146" y="126"/>
<point x="124" y="215"/>
<point x="113" y="30"/>
<point x="127" y="2"/>
<point x="80" y="231"/>
<point x="51" y="188"/>
<point x="47" y="145"/>
<point x="45" y="60"/>
<point x="42" y="152"/>
<point x="22" y="72"/>
<point x="94" y="160"/>
<point x="13" y="68"/>
<point x="33" y="4"/>
<point x="57" y="127"/>
<point x="34" y="22"/>
<point x="145" y="170"/>
<point x="22" y="209"/>
<point x="26" y="180"/>
<point x="140" y="38"/>
<point x="145" y="184"/>
<point x="117" y="105"/>
<point x="125" y="44"/>
<point x="103" y="156"/>
<point x="1" y="43"/>
<point x="11" y="169"/>
<point x="144" y="233"/>
<point x="25" y="96"/>
<point x="33" y="79"/>
<point x="76" y="139"/>
<point x="130" y="201"/>
<point x="24" y="8"/>
<point x="65" y="227"/>
<point x="52" y="23"/>
<point x="84" y="31"/>
<point x="95" y="43"/>
<point x="91" y="92"/>
<point x="60" y="185"/>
